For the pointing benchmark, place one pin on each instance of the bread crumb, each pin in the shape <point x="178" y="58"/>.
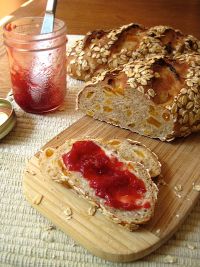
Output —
<point x="196" y="187"/>
<point x="92" y="210"/>
<point x="190" y="246"/>
<point x="170" y="259"/>
<point x="31" y="172"/>
<point x="68" y="217"/>
<point x="178" y="195"/>
<point x="115" y="219"/>
<point x="178" y="188"/>
<point x="177" y="215"/>
<point x="158" y="231"/>
<point x="49" y="228"/>
<point x="37" y="199"/>
<point x="68" y="211"/>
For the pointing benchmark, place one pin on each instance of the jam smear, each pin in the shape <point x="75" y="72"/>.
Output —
<point x="109" y="177"/>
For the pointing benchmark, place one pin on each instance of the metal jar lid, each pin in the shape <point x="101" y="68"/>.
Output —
<point x="7" y="117"/>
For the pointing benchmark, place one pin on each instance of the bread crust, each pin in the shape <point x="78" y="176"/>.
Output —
<point x="100" y="50"/>
<point x="51" y="165"/>
<point x="135" y="151"/>
<point x="157" y="97"/>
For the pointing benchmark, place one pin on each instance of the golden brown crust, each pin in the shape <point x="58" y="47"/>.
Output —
<point x="112" y="49"/>
<point x="99" y="49"/>
<point x="173" y="83"/>
<point x="170" y="84"/>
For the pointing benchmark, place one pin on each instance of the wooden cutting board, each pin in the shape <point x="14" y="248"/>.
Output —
<point x="180" y="170"/>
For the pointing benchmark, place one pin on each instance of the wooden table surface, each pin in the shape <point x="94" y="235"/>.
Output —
<point x="84" y="15"/>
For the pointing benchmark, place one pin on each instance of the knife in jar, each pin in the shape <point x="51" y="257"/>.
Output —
<point x="48" y="22"/>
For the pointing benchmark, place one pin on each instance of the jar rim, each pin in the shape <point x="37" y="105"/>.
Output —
<point x="8" y="31"/>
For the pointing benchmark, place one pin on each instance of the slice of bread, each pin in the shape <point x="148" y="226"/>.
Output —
<point x="52" y="165"/>
<point x="135" y="151"/>
<point x="157" y="97"/>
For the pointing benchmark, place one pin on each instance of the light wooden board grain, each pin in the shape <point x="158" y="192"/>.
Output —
<point x="180" y="166"/>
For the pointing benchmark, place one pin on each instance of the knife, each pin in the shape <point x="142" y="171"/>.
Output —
<point x="48" y="22"/>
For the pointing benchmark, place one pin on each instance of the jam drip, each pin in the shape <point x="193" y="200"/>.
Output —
<point x="109" y="177"/>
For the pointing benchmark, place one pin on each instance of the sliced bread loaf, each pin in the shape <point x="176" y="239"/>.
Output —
<point x="122" y="189"/>
<point x="156" y="97"/>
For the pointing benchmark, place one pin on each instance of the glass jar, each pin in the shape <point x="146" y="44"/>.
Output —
<point x="37" y="63"/>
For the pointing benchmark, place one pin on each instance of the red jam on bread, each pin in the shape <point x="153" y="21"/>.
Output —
<point x="110" y="178"/>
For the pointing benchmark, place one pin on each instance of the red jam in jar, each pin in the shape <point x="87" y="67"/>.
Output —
<point x="36" y="94"/>
<point x="109" y="177"/>
<point x="37" y="63"/>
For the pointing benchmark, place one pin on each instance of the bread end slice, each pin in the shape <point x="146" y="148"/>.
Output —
<point x="52" y="165"/>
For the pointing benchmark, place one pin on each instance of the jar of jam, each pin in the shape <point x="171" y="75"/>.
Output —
<point x="37" y="63"/>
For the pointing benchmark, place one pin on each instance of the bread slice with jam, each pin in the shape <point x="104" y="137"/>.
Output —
<point x="121" y="189"/>
<point x="135" y="151"/>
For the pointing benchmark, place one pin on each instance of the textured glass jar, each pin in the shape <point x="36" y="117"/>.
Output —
<point x="37" y="64"/>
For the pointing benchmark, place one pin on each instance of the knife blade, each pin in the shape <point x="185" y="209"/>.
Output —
<point x="48" y="22"/>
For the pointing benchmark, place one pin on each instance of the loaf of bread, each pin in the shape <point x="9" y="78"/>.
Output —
<point x="104" y="174"/>
<point x="157" y="97"/>
<point x="100" y="50"/>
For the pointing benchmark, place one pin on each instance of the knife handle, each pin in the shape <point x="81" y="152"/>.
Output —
<point x="51" y="5"/>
